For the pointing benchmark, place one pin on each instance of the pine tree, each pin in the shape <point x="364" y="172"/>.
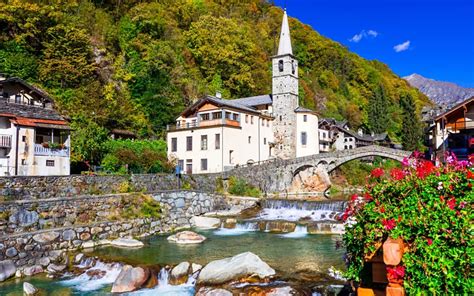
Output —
<point x="411" y="127"/>
<point x="378" y="111"/>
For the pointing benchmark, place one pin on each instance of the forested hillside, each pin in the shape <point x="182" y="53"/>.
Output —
<point x="136" y="64"/>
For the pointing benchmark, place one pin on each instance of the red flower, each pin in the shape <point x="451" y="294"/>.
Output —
<point x="389" y="224"/>
<point x="368" y="197"/>
<point x="397" y="174"/>
<point x="382" y="210"/>
<point x="429" y="241"/>
<point x="470" y="175"/>
<point x="424" y="169"/>
<point x="377" y="172"/>
<point x="451" y="203"/>
<point x="441" y="198"/>
<point x="396" y="272"/>
<point x="354" y="197"/>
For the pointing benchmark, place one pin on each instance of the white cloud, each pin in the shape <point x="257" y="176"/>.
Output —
<point x="364" y="34"/>
<point x="402" y="46"/>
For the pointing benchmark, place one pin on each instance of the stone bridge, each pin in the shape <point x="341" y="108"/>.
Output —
<point x="290" y="175"/>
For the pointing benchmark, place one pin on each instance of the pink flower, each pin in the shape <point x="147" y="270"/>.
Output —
<point x="429" y="241"/>
<point x="396" y="272"/>
<point x="451" y="203"/>
<point x="405" y="162"/>
<point x="389" y="224"/>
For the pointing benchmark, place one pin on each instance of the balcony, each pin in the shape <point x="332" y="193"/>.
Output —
<point x="5" y="141"/>
<point x="42" y="151"/>
<point x="204" y="124"/>
<point x="460" y="125"/>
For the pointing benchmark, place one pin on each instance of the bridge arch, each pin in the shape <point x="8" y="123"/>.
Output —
<point x="339" y="162"/>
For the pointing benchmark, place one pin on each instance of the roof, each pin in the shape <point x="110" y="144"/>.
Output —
<point x="33" y="89"/>
<point x="255" y="100"/>
<point x="285" y="40"/>
<point x="303" y="110"/>
<point x="57" y="124"/>
<point x="456" y="107"/>
<point x="28" y="111"/>
<point x="220" y="103"/>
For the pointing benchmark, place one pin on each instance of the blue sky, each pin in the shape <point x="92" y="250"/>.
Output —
<point x="434" y="38"/>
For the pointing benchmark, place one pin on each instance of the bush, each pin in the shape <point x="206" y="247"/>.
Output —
<point x="430" y="208"/>
<point x="356" y="171"/>
<point x="141" y="156"/>
<point x="238" y="186"/>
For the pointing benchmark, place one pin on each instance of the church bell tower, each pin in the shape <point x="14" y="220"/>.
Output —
<point x="285" y="95"/>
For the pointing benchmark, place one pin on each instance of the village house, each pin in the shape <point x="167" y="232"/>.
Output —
<point x="215" y="134"/>
<point x="453" y="131"/>
<point x="34" y="138"/>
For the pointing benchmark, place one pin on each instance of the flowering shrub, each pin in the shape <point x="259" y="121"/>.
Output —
<point x="430" y="208"/>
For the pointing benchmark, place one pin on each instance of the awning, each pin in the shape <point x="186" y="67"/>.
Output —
<point x="53" y="126"/>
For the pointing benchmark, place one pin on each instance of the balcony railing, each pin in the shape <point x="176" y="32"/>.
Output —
<point x="204" y="123"/>
<point x="5" y="141"/>
<point x="460" y="125"/>
<point x="42" y="151"/>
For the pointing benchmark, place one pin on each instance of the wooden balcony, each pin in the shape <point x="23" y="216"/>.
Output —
<point x="204" y="124"/>
<point x="460" y="125"/>
<point x="5" y="141"/>
<point x="42" y="151"/>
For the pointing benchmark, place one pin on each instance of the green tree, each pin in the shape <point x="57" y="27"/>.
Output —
<point x="378" y="111"/>
<point x="87" y="140"/>
<point x="411" y="131"/>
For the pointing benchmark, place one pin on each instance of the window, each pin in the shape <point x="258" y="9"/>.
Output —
<point x="251" y="119"/>
<point x="345" y="146"/>
<point x="304" y="139"/>
<point x="204" y="142"/>
<point x="230" y="156"/>
<point x="293" y="68"/>
<point x="189" y="166"/>
<point x="181" y="165"/>
<point x="174" y="144"/>
<point x="228" y="115"/>
<point x="345" y="140"/>
<point x="246" y="119"/>
<point x="49" y="163"/>
<point x="250" y="139"/>
<point x="23" y="138"/>
<point x="189" y="143"/>
<point x="280" y="65"/>
<point x="218" y="141"/>
<point x="280" y="117"/>
<point x="23" y="161"/>
<point x="205" y="116"/>
<point x="204" y="164"/>
<point x="268" y="123"/>
<point x="305" y="118"/>
<point x="263" y="122"/>
<point x="217" y="115"/>
<point x="264" y="141"/>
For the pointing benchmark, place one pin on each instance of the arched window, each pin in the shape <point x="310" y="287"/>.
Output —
<point x="345" y="147"/>
<point x="280" y="65"/>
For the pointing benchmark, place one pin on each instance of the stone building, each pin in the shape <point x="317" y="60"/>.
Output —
<point x="34" y="138"/>
<point x="215" y="134"/>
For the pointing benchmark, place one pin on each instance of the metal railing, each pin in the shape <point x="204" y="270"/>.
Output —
<point x="5" y="141"/>
<point x="204" y="123"/>
<point x="42" y="151"/>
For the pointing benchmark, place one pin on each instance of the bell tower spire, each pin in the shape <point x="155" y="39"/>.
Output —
<point x="285" y="95"/>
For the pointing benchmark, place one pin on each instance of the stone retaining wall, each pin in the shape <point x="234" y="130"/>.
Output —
<point x="33" y="232"/>
<point x="42" y="187"/>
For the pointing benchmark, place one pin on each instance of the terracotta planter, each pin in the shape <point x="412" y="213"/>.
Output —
<point x="395" y="291"/>
<point x="393" y="251"/>
<point x="365" y="292"/>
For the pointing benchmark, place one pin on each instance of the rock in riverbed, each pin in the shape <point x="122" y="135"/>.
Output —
<point x="7" y="269"/>
<point x="234" y="268"/>
<point x="29" y="289"/>
<point x="130" y="279"/>
<point x="204" y="291"/>
<point x="179" y="274"/>
<point x="126" y="243"/>
<point x="186" y="237"/>
<point x="205" y="222"/>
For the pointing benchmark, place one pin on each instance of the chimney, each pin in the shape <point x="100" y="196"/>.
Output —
<point x="218" y="95"/>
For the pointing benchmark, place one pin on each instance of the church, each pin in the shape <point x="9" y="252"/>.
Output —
<point x="215" y="134"/>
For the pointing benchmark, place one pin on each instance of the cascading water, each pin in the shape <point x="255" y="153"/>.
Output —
<point x="291" y="210"/>
<point x="95" y="277"/>
<point x="300" y="231"/>
<point x="240" y="228"/>
<point x="164" y="288"/>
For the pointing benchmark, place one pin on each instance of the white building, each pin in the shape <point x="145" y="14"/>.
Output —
<point x="34" y="138"/>
<point x="215" y="134"/>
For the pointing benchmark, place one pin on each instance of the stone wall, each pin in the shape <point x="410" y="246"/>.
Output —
<point x="42" y="187"/>
<point x="35" y="232"/>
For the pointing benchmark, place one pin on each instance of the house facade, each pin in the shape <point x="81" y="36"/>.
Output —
<point x="34" y="138"/>
<point x="215" y="134"/>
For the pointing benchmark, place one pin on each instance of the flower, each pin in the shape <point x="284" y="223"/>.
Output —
<point x="368" y="197"/>
<point x="424" y="169"/>
<point x="377" y="172"/>
<point x="470" y="175"/>
<point x="397" y="174"/>
<point x="382" y="210"/>
<point x="389" y="224"/>
<point x="429" y="241"/>
<point x="396" y="272"/>
<point x="405" y="162"/>
<point x="354" y="197"/>
<point x="451" y="203"/>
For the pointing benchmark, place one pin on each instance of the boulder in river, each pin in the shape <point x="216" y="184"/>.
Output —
<point x="179" y="274"/>
<point x="186" y="237"/>
<point x="205" y="291"/>
<point x="234" y="268"/>
<point x="281" y="226"/>
<point x="7" y="270"/>
<point x="205" y="222"/>
<point x="130" y="279"/>
<point x="32" y="270"/>
<point x="126" y="243"/>
<point x="29" y="289"/>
